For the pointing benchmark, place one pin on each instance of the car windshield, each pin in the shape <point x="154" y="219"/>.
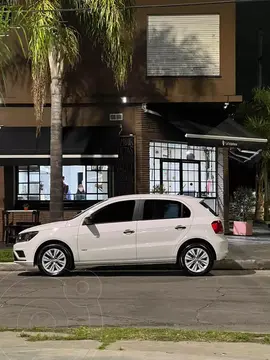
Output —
<point x="208" y="208"/>
<point x="83" y="211"/>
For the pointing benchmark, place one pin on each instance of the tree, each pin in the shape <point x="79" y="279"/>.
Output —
<point x="257" y="119"/>
<point x="53" y="45"/>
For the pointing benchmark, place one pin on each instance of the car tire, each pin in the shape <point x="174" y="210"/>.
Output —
<point x="196" y="259"/>
<point x="54" y="260"/>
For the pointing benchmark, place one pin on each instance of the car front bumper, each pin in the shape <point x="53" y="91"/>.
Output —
<point x="22" y="255"/>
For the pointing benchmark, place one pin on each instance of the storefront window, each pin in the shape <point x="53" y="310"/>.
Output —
<point x="79" y="183"/>
<point x="182" y="169"/>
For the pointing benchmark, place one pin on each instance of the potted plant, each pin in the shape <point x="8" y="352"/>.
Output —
<point x="242" y="211"/>
<point x="159" y="189"/>
<point x="25" y="206"/>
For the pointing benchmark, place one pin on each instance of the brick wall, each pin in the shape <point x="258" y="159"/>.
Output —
<point x="142" y="152"/>
<point x="149" y="128"/>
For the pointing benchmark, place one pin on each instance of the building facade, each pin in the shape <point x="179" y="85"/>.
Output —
<point x="133" y="140"/>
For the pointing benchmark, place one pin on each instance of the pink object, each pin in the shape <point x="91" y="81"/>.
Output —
<point x="209" y="185"/>
<point x="242" y="228"/>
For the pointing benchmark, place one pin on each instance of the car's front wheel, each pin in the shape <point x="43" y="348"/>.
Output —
<point x="54" y="260"/>
<point x="196" y="259"/>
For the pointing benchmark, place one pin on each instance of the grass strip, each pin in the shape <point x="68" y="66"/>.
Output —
<point x="111" y="334"/>
<point x="6" y="255"/>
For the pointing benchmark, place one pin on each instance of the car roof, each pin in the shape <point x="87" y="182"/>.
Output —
<point x="188" y="199"/>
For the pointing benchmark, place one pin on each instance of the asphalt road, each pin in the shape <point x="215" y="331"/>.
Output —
<point x="150" y="298"/>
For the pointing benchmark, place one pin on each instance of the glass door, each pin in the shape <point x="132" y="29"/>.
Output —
<point x="191" y="182"/>
<point x="180" y="177"/>
<point x="170" y="176"/>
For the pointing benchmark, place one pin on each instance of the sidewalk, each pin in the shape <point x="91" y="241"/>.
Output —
<point x="14" y="347"/>
<point x="248" y="252"/>
<point x="261" y="232"/>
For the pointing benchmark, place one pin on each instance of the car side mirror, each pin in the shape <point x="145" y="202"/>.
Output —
<point x="88" y="220"/>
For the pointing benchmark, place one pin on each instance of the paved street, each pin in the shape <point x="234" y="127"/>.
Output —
<point x="150" y="298"/>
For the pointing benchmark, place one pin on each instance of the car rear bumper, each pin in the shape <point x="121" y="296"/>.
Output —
<point x="222" y="248"/>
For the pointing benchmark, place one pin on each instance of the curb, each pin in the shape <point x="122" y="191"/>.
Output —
<point x="227" y="264"/>
<point x="10" y="266"/>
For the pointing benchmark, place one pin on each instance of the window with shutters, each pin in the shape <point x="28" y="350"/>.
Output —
<point x="183" y="45"/>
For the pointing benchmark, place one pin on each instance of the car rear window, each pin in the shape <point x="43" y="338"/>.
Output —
<point x="208" y="208"/>
<point x="164" y="209"/>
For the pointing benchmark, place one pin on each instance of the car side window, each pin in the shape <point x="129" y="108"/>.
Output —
<point x="121" y="211"/>
<point x="164" y="209"/>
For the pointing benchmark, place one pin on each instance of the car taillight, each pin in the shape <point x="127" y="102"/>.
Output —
<point x="217" y="227"/>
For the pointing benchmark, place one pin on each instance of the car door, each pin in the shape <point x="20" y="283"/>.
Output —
<point x="163" y="224"/>
<point x="112" y="236"/>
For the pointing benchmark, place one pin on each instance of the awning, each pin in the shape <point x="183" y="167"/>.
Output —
<point x="81" y="145"/>
<point x="197" y="125"/>
<point x="243" y="146"/>
<point x="226" y="141"/>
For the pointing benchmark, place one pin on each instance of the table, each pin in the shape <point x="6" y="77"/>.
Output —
<point x="11" y="228"/>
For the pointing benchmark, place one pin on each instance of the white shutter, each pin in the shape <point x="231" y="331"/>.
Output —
<point x="183" y="45"/>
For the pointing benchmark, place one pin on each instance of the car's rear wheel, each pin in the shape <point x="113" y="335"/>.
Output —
<point x="54" y="260"/>
<point x="196" y="259"/>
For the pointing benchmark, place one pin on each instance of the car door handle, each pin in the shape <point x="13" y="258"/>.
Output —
<point x="128" y="232"/>
<point x="180" y="227"/>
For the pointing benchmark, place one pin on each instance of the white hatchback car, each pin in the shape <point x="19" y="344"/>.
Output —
<point x="126" y="230"/>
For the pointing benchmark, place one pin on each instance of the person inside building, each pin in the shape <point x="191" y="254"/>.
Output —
<point x="65" y="189"/>
<point x="80" y="195"/>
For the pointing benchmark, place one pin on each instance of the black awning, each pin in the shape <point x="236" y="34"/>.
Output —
<point x="91" y="145"/>
<point x="226" y="141"/>
<point x="198" y="126"/>
<point x="243" y="145"/>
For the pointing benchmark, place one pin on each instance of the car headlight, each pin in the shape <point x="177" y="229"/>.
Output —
<point x="26" y="236"/>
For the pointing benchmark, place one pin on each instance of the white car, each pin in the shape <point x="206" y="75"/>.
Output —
<point x="128" y="230"/>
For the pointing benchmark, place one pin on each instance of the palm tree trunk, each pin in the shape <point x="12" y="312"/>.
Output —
<point x="56" y="189"/>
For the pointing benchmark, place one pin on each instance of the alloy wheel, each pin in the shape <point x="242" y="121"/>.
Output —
<point x="196" y="260"/>
<point x="54" y="261"/>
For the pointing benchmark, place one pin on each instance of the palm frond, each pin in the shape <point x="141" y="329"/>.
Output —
<point x="108" y="22"/>
<point x="262" y="97"/>
<point x="39" y="38"/>
<point x="65" y="41"/>
<point x="257" y="118"/>
<point x="5" y="50"/>
<point x="111" y="23"/>
<point x="46" y="31"/>
<point x="10" y="22"/>
<point x="258" y="125"/>
<point x="114" y="28"/>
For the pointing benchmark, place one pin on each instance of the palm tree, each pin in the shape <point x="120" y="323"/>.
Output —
<point x="53" y="45"/>
<point x="257" y="119"/>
